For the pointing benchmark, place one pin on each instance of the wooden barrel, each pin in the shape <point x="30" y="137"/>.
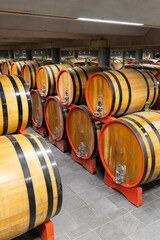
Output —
<point x="71" y="84"/>
<point x="30" y="184"/>
<point x="146" y="61"/>
<point x="55" y="118"/>
<point x="46" y="78"/>
<point x="16" y="67"/>
<point x="37" y="109"/>
<point x="29" y="71"/>
<point x="116" y="65"/>
<point x="15" y="105"/>
<point x="155" y="69"/>
<point x="121" y="92"/>
<point x="6" y="67"/>
<point x="83" y="132"/>
<point x="129" y="148"/>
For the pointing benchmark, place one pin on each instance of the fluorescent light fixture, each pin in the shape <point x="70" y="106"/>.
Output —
<point x="110" y="21"/>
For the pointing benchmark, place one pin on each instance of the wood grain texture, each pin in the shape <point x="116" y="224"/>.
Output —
<point x="15" y="104"/>
<point x="55" y="117"/>
<point x="37" y="109"/>
<point x="132" y="141"/>
<point x="73" y="81"/>
<point x="122" y="92"/>
<point x="30" y="184"/>
<point x="46" y="78"/>
<point x="81" y="127"/>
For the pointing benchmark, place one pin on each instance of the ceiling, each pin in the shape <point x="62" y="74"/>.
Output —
<point x="50" y="23"/>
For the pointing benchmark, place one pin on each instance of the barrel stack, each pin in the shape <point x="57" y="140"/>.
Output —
<point x="27" y="161"/>
<point x="125" y="95"/>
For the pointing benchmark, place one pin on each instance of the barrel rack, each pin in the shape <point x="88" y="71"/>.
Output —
<point x="42" y="130"/>
<point x="46" y="229"/>
<point x="134" y="195"/>
<point x="62" y="145"/>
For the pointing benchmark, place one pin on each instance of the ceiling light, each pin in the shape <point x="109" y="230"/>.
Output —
<point x="110" y="21"/>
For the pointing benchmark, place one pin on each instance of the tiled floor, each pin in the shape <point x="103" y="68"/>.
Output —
<point x="93" y="211"/>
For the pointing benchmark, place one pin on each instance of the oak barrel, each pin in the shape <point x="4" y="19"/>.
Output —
<point x="121" y="92"/>
<point x="116" y="65"/>
<point x="30" y="184"/>
<point x="83" y="132"/>
<point x="55" y="118"/>
<point x="71" y="83"/>
<point x="6" y="66"/>
<point x="129" y="148"/>
<point x="15" y="104"/>
<point x="16" y="67"/>
<point x="37" y="109"/>
<point x="46" y="78"/>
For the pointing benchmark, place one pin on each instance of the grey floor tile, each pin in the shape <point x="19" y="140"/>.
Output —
<point x="90" y="196"/>
<point x="115" y="213"/>
<point x="129" y="224"/>
<point x="103" y="206"/>
<point x="155" y="204"/>
<point x="83" y="215"/>
<point x="144" y="234"/>
<point x="155" y="227"/>
<point x="99" y="221"/>
<point x="80" y="230"/>
<point x="146" y="214"/>
<point x="63" y="223"/>
<point x="72" y="202"/>
<point x="64" y="237"/>
<point x="89" y="236"/>
<point x="110" y="231"/>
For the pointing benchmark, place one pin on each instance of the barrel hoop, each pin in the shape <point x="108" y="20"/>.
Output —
<point x="28" y="180"/>
<point x="5" y="110"/>
<point x="120" y="92"/>
<point x="142" y="145"/>
<point x="30" y="71"/>
<point x="7" y="64"/>
<point x="154" y="88"/>
<point x="150" y="145"/>
<point x="85" y="73"/>
<point x="113" y="66"/>
<point x="57" y="67"/>
<point x="45" y="173"/>
<point x="19" y="102"/>
<point x="80" y="85"/>
<point x="157" y="84"/>
<point x="113" y="91"/>
<point x="54" y="80"/>
<point x="150" y="124"/>
<point x="146" y="85"/>
<point x="29" y="100"/>
<point x="55" y="171"/>
<point x="20" y="68"/>
<point x="35" y="75"/>
<point x="94" y="128"/>
<point x="64" y="117"/>
<point x="48" y="76"/>
<point x="16" y="64"/>
<point x="129" y="91"/>
<point x="74" y="85"/>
